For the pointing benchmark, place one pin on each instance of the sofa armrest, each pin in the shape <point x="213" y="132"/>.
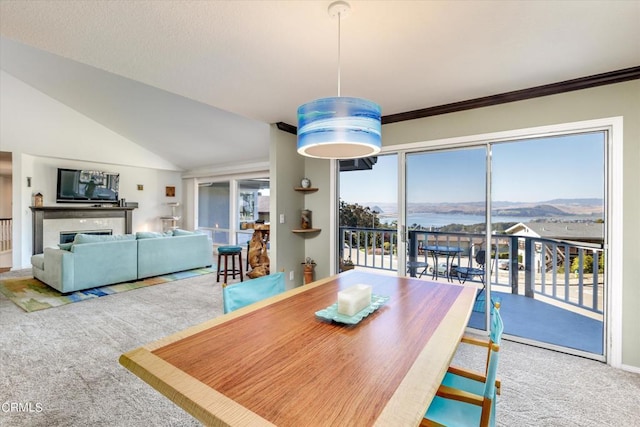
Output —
<point x="58" y="269"/>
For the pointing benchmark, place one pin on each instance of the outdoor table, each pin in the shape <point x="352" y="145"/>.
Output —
<point x="276" y="362"/>
<point x="449" y="252"/>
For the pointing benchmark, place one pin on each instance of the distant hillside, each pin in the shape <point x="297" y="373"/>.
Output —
<point x="549" y="208"/>
<point x="539" y="210"/>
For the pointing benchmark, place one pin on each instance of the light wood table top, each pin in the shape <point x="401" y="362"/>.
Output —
<point x="276" y="363"/>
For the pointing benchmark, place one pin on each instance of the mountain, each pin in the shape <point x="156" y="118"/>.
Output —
<point x="538" y="210"/>
<point x="549" y="208"/>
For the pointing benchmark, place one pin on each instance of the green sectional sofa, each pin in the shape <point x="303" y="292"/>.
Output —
<point x="92" y="261"/>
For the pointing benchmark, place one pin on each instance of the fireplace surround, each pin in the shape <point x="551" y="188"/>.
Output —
<point x="117" y="218"/>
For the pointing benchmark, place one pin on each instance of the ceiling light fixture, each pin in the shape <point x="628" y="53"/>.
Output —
<point x="339" y="127"/>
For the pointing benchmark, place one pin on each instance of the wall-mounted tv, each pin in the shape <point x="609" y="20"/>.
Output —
<point x="87" y="186"/>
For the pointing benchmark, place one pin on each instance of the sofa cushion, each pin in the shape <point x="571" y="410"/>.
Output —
<point x="162" y="256"/>
<point x="152" y="234"/>
<point x="179" y="232"/>
<point x="65" y="246"/>
<point x="95" y="238"/>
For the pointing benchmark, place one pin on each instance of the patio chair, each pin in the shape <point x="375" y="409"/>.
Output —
<point x="456" y="407"/>
<point x="468" y="273"/>
<point x="414" y="266"/>
<point x="241" y="294"/>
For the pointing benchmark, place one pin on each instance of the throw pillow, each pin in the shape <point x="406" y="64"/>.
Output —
<point x="65" y="246"/>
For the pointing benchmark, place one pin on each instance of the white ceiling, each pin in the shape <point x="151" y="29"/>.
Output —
<point x="198" y="81"/>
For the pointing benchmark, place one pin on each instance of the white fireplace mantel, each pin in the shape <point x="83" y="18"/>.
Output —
<point x="110" y="215"/>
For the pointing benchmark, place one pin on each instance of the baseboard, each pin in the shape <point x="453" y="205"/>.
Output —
<point x="634" y="369"/>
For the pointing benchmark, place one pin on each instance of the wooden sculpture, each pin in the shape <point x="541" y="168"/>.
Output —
<point x="258" y="258"/>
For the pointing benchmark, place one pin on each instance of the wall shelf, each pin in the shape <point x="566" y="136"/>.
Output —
<point x="306" y="230"/>
<point x="306" y="190"/>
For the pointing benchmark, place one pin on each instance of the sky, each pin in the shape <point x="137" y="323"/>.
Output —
<point x="533" y="170"/>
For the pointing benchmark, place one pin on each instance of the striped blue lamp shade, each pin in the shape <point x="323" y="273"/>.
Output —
<point x="339" y="128"/>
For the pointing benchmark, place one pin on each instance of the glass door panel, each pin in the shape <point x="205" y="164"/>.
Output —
<point x="253" y="206"/>
<point x="446" y="217"/>
<point x="368" y="213"/>
<point x="548" y="199"/>
<point x="213" y="210"/>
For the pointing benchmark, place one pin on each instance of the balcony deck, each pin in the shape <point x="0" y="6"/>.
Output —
<point x="534" y="319"/>
<point x="557" y="302"/>
<point x="537" y="320"/>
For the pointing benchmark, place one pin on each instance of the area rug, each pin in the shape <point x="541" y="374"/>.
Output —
<point x="32" y="295"/>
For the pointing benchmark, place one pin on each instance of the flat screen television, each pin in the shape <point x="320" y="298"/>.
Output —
<point x="87" y="186"/>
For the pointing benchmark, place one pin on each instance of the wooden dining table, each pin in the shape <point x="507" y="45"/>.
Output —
<point x="276" y="362"/>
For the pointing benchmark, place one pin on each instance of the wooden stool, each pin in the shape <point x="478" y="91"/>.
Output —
<point x="226" y="252"/>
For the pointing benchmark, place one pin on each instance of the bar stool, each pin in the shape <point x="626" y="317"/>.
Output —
<point x="226" y="252"/>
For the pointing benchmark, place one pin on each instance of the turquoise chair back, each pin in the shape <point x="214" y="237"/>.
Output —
<point x="244" y="293"/>
<point x="490" y="388"/>
<point x="492" y="372"/>
<point x="497" y="327"/>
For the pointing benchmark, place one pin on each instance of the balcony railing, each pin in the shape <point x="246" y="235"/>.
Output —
<point x="568" y="272"/>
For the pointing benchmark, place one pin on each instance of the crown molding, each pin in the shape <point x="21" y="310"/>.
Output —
<point x="519" y="95"/>
<point x="618" y="76"/>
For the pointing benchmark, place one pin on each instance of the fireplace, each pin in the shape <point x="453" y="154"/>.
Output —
<point x="68" y="236"/>
<point x="50" y="221"/>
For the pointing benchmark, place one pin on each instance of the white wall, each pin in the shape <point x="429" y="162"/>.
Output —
<point x="44" y="134"/>
<point x="287" y="169"/>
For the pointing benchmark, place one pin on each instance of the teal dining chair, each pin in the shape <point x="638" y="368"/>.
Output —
<point x="455" y="407"/>
<point x="467" y="379"/>
<point x="241" y="294"/>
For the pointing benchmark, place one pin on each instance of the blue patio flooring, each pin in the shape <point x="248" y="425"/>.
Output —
<point x="532" y="319"/>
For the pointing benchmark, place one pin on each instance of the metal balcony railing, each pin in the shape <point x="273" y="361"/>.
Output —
<point x="568" y="272"/>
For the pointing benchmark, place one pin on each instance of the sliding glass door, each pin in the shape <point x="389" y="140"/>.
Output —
<point x="225" y="207"/>
<point x="548" y="198"/>
<point x="521" y="219"/>
<point x="446" y="218"/>
<point x="214" y="205"/>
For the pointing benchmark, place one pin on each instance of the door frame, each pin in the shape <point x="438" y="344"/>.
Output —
<point x="613" y="209"/>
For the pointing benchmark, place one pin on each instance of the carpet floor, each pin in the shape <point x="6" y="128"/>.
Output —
<point x="61" y="366"/>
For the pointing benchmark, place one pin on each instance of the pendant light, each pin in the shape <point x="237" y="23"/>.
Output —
<point x="339" y="127"/>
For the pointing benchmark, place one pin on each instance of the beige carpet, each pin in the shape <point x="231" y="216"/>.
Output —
<point x="63" y="362"/>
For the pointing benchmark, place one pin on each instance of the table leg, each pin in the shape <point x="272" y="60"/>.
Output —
<point x="434" y="274"/>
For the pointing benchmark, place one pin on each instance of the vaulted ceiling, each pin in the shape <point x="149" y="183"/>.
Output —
<point x="198" y="82"/>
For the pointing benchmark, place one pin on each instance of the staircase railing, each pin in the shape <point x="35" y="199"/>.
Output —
<point x="6" y="231"/>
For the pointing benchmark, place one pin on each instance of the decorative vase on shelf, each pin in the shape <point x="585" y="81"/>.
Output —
<point x="305" y="183"/>
<point x="38" y="200"/>
<point x="305" y="219"/>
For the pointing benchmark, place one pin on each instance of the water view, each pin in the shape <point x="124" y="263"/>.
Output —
<point x="437" y="220"/>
